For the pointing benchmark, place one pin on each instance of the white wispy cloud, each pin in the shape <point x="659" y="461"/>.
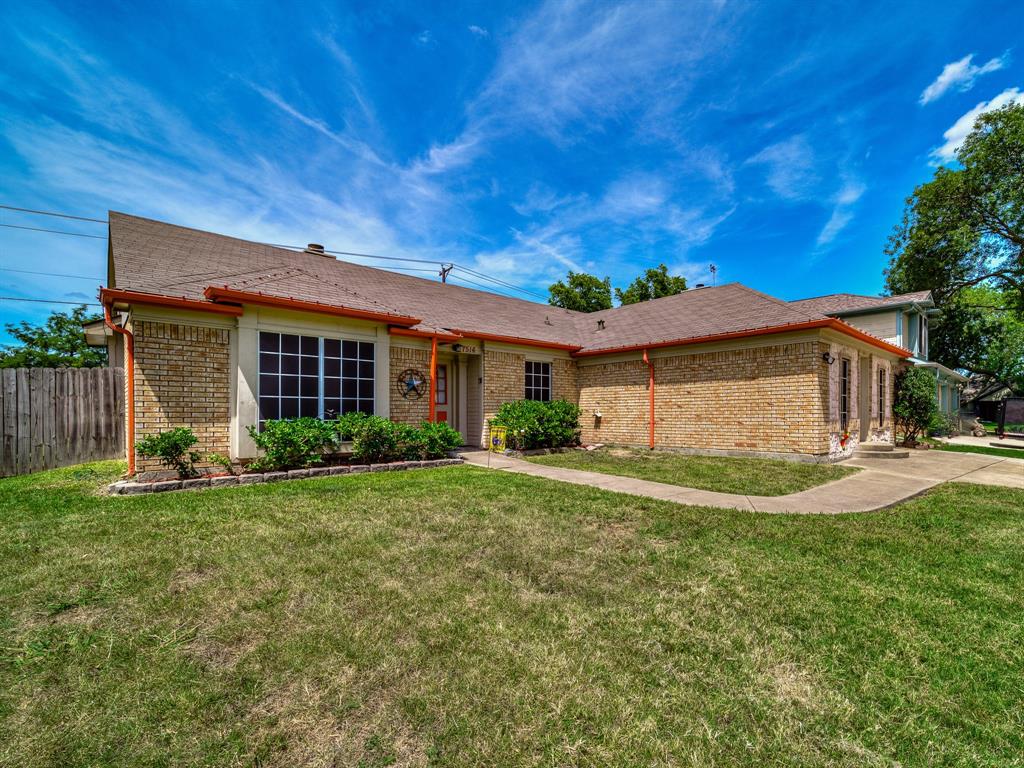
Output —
<point x="954" y="136"/>
<point x="478" y="31"/>
<point x="961" y="76"/>
<point x="842" y="212"/>
<point x="790" y="167"/>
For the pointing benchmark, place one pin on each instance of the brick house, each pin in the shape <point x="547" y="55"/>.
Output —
<point x="218" y="333"/>
<point x="901" y="320"/>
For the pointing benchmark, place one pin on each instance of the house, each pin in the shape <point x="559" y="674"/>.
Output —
<point x="220" y="334"/>
<point x="903" y="321"/>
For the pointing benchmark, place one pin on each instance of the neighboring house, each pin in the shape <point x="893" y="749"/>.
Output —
<point x="903" y="321"/>
<point x="219" y="334"/>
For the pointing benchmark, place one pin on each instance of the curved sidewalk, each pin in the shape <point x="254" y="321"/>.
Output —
<point x="880" y="483"/>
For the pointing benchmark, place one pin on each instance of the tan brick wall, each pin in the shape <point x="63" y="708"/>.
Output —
<point x="504" y="380"/>
<point x="565" y="383"/>
<point x="407" y="410"/>
<point x="182" y="379"/>
<point x="765" y="399"/>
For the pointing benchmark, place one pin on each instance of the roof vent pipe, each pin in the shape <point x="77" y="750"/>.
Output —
<point x="315" y="248"/>
<point x="600" y="325"/>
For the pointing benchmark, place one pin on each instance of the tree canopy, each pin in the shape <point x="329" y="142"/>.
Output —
<point x="962" y="237"/>
<point x="57" y="343"/>
<point x="652" y="284"/>
<point x="581" y="292"/>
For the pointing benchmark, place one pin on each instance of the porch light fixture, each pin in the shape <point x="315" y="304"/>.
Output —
<point x="827" y="357"/>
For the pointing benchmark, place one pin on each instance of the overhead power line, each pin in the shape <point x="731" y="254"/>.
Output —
<point x="54" y="231"/>
<point x="50" y="301"/>
<point x="49" y="274"/>
<point x="52" y="213"/>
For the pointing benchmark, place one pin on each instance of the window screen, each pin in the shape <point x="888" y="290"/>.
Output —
<point x="312" y="376"/>
<point x="538" y="381"/>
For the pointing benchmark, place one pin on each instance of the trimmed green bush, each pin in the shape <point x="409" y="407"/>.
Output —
<point x="348" y="424"/>
<point x="536" y="424"/>
<point x="437" y="439"/>
<point x="376" y="440"/>
<point x="292" y="443"/>
<point x="174" y="449"/>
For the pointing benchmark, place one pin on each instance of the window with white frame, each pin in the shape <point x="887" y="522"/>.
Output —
<point x="882" y="381"/>
<point x="844" y="394"/>
<point x="313" y="376"/>
<point x="538" y="381"/>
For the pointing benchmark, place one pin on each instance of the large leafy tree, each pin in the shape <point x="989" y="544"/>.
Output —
<point x="57" y="343"/>
<point x="581" y="292"/>
<point x="652" y="284"/>
<point x="964" y="230"/>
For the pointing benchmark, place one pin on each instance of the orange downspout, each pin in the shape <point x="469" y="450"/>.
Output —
<point x="650" y="395"/>
<point x="433" y="379"/>
<point x="129" y="372"/>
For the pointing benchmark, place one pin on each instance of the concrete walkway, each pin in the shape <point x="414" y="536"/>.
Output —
<point x="880" y="483"/>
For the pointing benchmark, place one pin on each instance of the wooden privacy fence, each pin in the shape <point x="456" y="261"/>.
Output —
<point x="52" y="417"/>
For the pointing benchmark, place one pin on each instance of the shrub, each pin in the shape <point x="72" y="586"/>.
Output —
<point x="941" y="425"/>
<point x="913" y="404"/>
<point x="536" y="424"/>
<point x="348" y="424"/>
<point x="436" y="439"/>
<point x="376" y="440"/>
<point x="174" y="449"/>
<point x="289" y="443"/>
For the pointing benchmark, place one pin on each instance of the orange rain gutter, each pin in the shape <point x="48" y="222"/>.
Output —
<point x="828" y="322"/>
<point x="432" y="413"/>
<point x="439" y="335"/>
<point x="517" y="340"/>
<point x="262" y="299"/>
<point x="129" y="368"/>
<point x="110" y="295"/>
<point x="650" y="395"/>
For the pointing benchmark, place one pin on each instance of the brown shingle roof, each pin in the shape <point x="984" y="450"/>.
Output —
<point x="154" y="257"/>
<point x="841" y="303"/>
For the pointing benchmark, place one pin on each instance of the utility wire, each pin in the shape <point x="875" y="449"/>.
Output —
<point x="54" y="231"/>
<point x="49" y="274"/>
<point x="52" y="213"/>
<point x="50" y="301"/>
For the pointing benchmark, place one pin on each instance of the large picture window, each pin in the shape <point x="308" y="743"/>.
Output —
<point x="313" y="376"/>
<point x="538" y="381"/>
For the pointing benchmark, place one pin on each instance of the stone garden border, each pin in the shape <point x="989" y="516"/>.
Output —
<point x="130" y="488"/>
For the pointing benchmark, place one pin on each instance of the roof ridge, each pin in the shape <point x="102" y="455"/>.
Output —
<point x="787" y="304"/>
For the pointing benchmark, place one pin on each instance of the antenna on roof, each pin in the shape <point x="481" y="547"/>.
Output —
<point x="445" y="269"/>
<point x="714" y="274"/>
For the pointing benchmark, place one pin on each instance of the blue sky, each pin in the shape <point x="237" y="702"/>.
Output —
<point x="776" y="141"/>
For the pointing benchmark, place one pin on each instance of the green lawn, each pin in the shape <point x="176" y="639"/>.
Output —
<point x="458" y="617"/>
<point x="755" y="477"/>
<point x="1010" y="453"/>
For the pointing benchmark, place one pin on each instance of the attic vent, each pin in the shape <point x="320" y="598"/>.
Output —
<point x="315" y="248"/>
<point x="600" y="325"/>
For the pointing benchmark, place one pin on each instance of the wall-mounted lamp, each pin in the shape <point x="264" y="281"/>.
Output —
<point x="827" y="358"/>
<point x="456" y="347"/>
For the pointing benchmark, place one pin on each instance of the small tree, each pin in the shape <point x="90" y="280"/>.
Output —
<point x="581" y="292"/>
<point x="913" y="405"/>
